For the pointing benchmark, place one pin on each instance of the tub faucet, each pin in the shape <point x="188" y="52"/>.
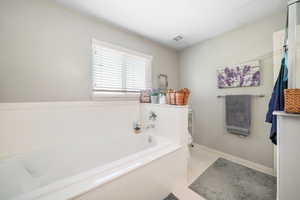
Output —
<point x="152" y="116"/>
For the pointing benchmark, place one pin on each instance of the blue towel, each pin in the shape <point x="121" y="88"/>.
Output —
<point x="277" y="100"/>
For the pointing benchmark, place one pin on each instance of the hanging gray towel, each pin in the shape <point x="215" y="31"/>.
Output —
<point x="238" y="114"/>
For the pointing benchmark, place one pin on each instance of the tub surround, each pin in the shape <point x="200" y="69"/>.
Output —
<point x="50" y="124"/>
<point x="99" y="155"/>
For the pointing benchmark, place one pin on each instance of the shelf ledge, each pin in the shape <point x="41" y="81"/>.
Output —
<point x="285" y="114"/>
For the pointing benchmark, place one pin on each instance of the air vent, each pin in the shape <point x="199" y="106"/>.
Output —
<point x="178" y="38"/>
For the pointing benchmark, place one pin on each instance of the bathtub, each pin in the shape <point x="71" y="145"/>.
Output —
<point x="144" y="166"/>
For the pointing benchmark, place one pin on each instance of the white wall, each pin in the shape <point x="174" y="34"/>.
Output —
<point x="198" y="66"/>
<point x="45" y="51"/>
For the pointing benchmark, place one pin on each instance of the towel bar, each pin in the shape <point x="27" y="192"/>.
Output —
<point x="257" y="95"/>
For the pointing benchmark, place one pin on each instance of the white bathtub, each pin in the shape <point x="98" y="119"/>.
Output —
<point x="94" y="167"/>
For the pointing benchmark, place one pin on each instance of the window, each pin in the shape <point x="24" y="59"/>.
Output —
<point x="119" y="71"/>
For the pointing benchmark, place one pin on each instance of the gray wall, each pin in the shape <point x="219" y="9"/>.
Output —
<point x="198" y="66"/>
<point x="45" y="51"/>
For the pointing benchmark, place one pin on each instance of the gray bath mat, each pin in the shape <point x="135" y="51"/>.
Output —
<point x="225" y="180"/>
<point x="171" y="197"/>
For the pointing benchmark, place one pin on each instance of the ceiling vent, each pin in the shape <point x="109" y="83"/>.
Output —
<point x="178" y="38"/>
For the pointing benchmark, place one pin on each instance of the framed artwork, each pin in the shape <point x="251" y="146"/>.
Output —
<point x="244" y="75"/>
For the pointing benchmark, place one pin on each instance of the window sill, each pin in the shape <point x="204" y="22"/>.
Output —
<point x="115" y="96"/>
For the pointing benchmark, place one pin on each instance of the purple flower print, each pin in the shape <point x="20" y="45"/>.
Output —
<point x="246" y="69"/>
<point x="255" y="79"/>
<point x="239" y="76"/>
<point x="221" y="81"/>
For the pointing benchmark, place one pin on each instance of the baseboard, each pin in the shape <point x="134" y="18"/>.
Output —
<point x="241" y="161"/>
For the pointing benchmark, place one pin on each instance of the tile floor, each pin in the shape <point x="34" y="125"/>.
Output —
<point x="200" y="160"/>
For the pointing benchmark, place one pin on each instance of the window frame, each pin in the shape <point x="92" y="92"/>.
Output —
<point x="118" y="94"/>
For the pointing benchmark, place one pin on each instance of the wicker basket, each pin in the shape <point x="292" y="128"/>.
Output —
<point x="292" y="100"/>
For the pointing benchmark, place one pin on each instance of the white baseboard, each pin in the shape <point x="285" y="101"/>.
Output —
<point x="241" y="161"/>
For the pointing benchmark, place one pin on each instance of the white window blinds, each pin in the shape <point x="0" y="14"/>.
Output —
<point x="119" y="70"/>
